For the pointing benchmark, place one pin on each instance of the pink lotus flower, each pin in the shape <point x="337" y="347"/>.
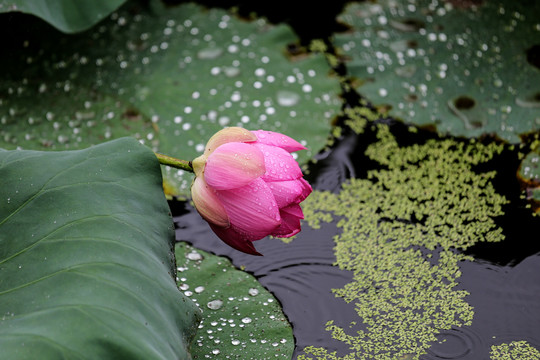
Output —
<point x="248" y="186"/>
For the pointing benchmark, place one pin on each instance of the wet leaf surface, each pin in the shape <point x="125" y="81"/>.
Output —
<point x="466" y="70"/>
<point x="85" y="257"/>
<point x="169" y="76"/>
<point x="66" y="15"/>
<point x="241" y="319"/>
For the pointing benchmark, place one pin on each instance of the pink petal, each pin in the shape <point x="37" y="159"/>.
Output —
<point x="207" y="203"/>
<point x="307" y="189"/>
<point x="290" y="222"/>
<point x="279" y="140"/>
<point x="235" y="240"/>
<point x="227" y="135"/>
<point x="287" y="192"/>
<point x="233" y="165"/>
<point x="279" y="164"/>
<point x="252" y="209"/>
<point x="294" y="210"/>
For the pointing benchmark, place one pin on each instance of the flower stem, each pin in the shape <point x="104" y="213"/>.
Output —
<point x="175" y="163"/>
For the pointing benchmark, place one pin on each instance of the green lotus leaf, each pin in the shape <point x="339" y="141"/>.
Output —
<point x="470" y="69"/>
<point x="86" y="261"/>
<point x="241" y="319"/>
<point x="66" y="15"/>
<point x="169" y="76"/>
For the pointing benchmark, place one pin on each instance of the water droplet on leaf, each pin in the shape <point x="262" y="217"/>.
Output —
<point x="215" y="304"/>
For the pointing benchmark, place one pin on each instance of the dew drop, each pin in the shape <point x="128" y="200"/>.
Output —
<point x="224" y="120"/>
<point x="233" y="48"/>
<point x="236" y="96"/>
<point x="253" y="292"/>
<point x="184" y="287"/>
<point x="195" y="256"/>
<point x="287" y="98"/>
<point x="215" y="304"/>
<point x="231" y="71"/>
<point x="209" y="53"/>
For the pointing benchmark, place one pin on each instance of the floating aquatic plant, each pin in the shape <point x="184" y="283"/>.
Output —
<point x="401" y="227"/>
<point x="514" y="350"/>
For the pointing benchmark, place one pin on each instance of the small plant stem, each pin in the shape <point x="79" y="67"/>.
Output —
<point x="175" y="163"/>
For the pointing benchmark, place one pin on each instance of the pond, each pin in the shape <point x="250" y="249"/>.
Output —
<point x="421" y="120"/>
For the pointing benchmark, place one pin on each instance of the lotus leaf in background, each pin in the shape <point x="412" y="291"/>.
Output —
<point x="468" y="70"/>
<point x="241" y="319"/>
<point x="170" y="76"/>
<point x="86" y="260"/>
<point x="66" y="15"/>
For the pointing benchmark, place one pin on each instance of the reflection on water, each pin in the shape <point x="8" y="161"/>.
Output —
<point x="457" y="343"/>
<point x="502" y="283"/>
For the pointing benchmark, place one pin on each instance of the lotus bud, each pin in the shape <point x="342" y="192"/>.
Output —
<point x="248" y="186"/>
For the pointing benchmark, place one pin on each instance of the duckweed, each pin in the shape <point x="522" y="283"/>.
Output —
<point x="515" y="350"/>
<point x="403" y="227"/>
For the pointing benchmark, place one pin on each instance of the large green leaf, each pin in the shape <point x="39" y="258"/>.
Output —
<point x="170" y="76"/>
<point x="86" y="261"/>
<point x="241" y="319"/>
<point x="66" y="15"/>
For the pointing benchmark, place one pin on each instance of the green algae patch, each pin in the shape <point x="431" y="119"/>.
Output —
<point x="403" y="227"/>
<point x="515" y="350"/>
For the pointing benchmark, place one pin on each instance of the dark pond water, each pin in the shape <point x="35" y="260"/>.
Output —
<point x="503" y="281"/>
